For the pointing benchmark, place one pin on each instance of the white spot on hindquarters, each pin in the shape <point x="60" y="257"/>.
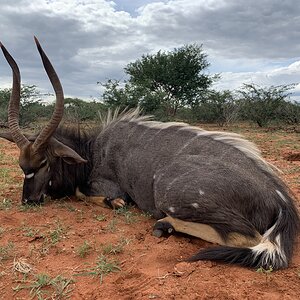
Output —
<point x="172" y="209"/>
<point x="196" y="205"/>
<point x="281" y="196"/>
<point x="28" y="176"/>
<point x="201" y="192"/>
<point x="50" y="183"/>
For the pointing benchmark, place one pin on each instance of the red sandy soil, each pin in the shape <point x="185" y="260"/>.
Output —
<point x="149" y="267"/>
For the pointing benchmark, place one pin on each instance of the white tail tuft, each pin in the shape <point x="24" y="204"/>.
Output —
<point x="270" y="251"/>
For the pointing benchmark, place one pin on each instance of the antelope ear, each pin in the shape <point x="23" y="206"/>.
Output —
<point x="66" y="153"/>
<point x="7" y="135"/>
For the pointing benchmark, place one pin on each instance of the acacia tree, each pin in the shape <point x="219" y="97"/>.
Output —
<point x="31" y="105"/>
<point x="178" y="75"/>
<point x="217" y="107"/>
<point x="167" y="80"/>
<point x="4" y="100"/>
<point x="78" y="110"/>
<point x="127" y="95"/>
<point x="116" y="95"/>
<point x="264" y="104"/>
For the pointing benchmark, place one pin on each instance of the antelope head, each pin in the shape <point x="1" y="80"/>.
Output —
<point x="37" y="153"/>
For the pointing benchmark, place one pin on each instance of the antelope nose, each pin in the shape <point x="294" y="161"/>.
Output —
<point x="34" y="201"/>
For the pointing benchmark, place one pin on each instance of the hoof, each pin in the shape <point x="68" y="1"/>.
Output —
<point x="115" y="203"/>
<point x="163" y="229"/>
<point x="157" y="233"/>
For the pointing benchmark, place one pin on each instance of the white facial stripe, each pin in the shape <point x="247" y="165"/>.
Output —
<point x="28" y="176"/>
<point x="43" y="162"/>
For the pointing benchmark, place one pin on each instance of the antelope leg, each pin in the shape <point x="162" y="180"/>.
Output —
<point x="100" y="200"/>
<point x="208" y="233"/>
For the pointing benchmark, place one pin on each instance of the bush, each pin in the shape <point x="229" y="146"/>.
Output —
<point x="217" y="107"/>
<point x="4" y="100"/>
<point x="289" y="113"/>
<point x="77" y="110"/>
<point x="264" y="104"/>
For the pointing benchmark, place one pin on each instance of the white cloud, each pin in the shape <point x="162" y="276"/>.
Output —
<point x="93" y="40"/>
<point x="278" y="76"/>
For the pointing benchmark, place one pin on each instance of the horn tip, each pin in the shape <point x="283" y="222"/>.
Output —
<point x="36" y="40"/>
<point x="3" y="49"/>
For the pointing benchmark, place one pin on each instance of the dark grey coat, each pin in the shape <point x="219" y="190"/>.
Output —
<point x="214" y="178"/>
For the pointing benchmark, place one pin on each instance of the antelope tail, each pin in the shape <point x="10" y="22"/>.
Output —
<point x="274" y="250"/>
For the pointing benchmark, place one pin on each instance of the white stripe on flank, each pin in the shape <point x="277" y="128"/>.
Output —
<point x="235" y="140"/>
<point x="187" y="144"/>
<point x="173" y="182"/>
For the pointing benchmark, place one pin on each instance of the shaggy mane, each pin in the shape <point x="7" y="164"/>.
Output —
<point x="235" y="140"/>
<point x="112" y="117"/>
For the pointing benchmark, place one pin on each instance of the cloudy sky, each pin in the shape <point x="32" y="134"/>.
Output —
<point x="90" y="41"/>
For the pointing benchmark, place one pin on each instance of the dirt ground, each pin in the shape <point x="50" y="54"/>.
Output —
<point x="67" y="249"/>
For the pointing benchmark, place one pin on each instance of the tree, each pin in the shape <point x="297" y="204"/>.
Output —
<point x="31" y="104"/>
<point x="289" y="113"/>
<point x="80" y="110"/>
<point x="216" y="106"/>
<point x="263" y="104"/>
<point x="167" y="80"/>
<point x="130" y="96"/>
<point x="117" y="96"/>
<point x="4" y="100"/>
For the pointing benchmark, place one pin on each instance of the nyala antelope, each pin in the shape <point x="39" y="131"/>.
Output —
<point x="211" y="185"/>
